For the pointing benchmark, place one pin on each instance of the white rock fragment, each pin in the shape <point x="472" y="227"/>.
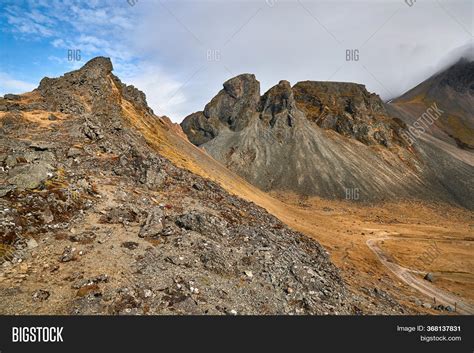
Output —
<point x="31" y="243"/>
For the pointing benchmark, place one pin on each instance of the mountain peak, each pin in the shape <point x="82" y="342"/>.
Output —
<point x="459" y="76"/>
<point x="80" y="90"/>
<point x="452" y="90"/>
<point x="244" y="84"/>
<point x="97" y="68"/>
<point x="278" y="99"/>
<point x="100" y="65"/>
<point x="93" y="87"/>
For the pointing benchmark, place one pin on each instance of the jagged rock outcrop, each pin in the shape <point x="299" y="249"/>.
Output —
<point x="325" y="139"/>
<point x="232" y="108"/>
<point x="346" y="108"/>
<point x="92" y="88"/>
<point x="350" y="110"/>
<point x="277" y="106"/>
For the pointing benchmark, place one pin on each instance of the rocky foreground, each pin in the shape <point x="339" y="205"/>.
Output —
<point x="93" y="220"/>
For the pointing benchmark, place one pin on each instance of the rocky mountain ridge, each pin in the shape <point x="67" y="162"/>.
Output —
<point x="353" y="112"/>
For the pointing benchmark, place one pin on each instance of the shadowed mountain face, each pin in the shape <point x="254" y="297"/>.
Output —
<point x="323" y="138"/>
<point x="452" y="90"/>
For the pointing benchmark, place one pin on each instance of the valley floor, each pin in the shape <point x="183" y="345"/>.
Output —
<point x="435" y="239"/>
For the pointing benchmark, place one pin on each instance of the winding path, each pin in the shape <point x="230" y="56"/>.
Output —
<point x="421" y="285"/>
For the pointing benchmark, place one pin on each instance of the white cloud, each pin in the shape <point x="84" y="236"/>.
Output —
<point x="58" y="43"/>
<point x="164" y="94"/>
<point x="11" y="85"/>
<point x="399" y="45"/>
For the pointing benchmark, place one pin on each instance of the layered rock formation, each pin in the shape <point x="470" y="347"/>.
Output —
<point x="350" y="110"/>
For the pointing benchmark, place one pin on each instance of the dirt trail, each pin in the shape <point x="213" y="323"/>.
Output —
<point x="407" y="275"/>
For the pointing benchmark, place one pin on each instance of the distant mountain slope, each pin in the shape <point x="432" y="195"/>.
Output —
<point x="322" y="138"/>
<point x="452" y="90"/>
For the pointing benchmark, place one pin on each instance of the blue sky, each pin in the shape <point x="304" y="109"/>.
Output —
<point x="35" y="37"/>
<point x="180" y="52"/>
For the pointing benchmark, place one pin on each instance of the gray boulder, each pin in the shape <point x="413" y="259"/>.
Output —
<point x="30" y="176"/>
